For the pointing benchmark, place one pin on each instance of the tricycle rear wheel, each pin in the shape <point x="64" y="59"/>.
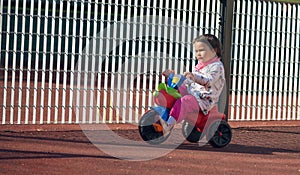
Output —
<point x="219" y="134"/>
<point x="190" y="132"/>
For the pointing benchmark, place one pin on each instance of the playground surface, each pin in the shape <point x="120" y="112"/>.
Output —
<point x="256" y="148"/>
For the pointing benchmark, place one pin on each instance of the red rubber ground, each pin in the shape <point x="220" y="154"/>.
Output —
<point x="256" y="148"/>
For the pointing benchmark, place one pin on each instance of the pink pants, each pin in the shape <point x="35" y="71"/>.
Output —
<point x="186" y="105"/>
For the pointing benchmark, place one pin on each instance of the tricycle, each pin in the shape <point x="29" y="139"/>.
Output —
<point x="212" y="126"/>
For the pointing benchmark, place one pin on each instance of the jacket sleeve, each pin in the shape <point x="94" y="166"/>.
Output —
<point x="210" y="76"/>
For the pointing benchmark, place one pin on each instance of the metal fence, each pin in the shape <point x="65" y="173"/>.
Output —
<point x="93" y="61"/>
<point x="96" y="61"/>
<point x="265" y="61"/>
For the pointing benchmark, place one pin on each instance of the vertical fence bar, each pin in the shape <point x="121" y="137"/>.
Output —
<point x="138" y="57"/>
<point x="147" y="67"/>
<point x="202" y="17"/>
<point x="228" y="49"/>
<point x="129" y="56"/>
<point x="72" y="71"/>
<point x="93" y="41"/>
<point x="260" y="58"/>
<point x="65" y="69"/>
<point x="99" y="79"/>
<point x="95" y="57"/>
<point x="277" y="61"/>
<point x="271" y="56"/>
<point x="205" y="5"/>
<point x="58" y="60"/>
<point x="177" y="29"/>
<point x="289" y="68"/>
<point x="29" y="62"/>
<point x="293" y="78"/>
<point x="80" y="108"/>
<point x="272" y="95"/>
<point x="182" y="37"/>
<point x="297" y="52"/>
<point x="137" y="32"/>
<point x="123" y="67"/>
<point x="170" y="58"/>
<point x="219" y="5"/>
<point x="256" y="36"/>
<point x="36" y="64"/>
<point x="1" y="24"/>
<point x="121" y="88"/>
<point x="51" y="62"/>
<point x="245" y="43"/>
<point x="21" y="63"/>
<point x="113" y="65"/>
<point x="212" y="19"/>
<point x="58" y="63"/>
<point x="235" y="92"/>
<point x="13" y="77"/>
<point x="119" y="71"/>
<point x="190" y="34"/>
<point x="102" y="59"/>
<point x="107" y="57"/>
<point x="145" y="56"/>
<point x="133" y="110"/>
<point x="281" y="64"/>
<point x="241" y="62"/>
<point x="285" y="59"/>
<point x="266" y="62"/>
<point x="45" y="39"/>
<point x="209" y="15"/>
<point x="156" y="37"/>
<point x="233" y="108"/>
<point x="164" y="32"/>
<point x="171" y="28"/>
<point x="151" y="57"/>
<point x="5" y="88"/>
<point x="245" y="56"/>
<point x="196" y="17"/>
<point x="251" y="58"/>
<point x="87" y="71"/>
<point x="85" y="61"/>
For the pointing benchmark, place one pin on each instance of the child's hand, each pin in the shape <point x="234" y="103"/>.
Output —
<point x="166" y="73"/>
<point x="189" y="75"/>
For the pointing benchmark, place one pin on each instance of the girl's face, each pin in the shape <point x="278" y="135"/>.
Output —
<point x="203" y="52"/>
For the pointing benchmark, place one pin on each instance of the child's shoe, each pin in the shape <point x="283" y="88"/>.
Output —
<point x="166" y="127"/>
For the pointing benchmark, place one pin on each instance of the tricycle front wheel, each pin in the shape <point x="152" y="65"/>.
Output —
<point x="147" y="130"/>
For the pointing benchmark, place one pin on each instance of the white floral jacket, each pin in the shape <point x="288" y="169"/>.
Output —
<point x="208" y="85"/>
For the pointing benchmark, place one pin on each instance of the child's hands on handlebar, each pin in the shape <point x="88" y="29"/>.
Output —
<point x="189" y="75"/>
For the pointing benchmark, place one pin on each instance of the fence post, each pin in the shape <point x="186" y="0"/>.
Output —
<point x="227" y="15"/>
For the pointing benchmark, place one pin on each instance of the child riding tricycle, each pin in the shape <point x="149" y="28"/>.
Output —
<point x="191" y="98"/>
<point x="217" y="130"/>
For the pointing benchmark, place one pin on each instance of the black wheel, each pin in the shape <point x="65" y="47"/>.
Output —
<point x="219" y="134"/>
<point x="190" y="132"/>
<point x="147" y="131"/>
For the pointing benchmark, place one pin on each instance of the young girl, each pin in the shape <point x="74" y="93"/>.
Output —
<point x="208" y="80"/>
